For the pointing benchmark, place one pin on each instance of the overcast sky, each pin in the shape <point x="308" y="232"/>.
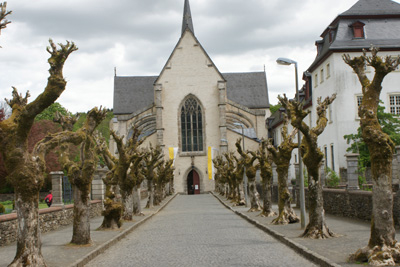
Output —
<point x="138" y="36"/>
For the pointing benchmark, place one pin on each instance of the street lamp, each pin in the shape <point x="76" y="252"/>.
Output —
<point x="287" y="61"/>
<point x="244" y="168"/>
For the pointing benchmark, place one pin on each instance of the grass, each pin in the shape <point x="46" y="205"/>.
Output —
<point x="8" y="206"/>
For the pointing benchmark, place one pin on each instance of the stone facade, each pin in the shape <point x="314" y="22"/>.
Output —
<point x="50" y="219"/>
<point x="190" y="73"/>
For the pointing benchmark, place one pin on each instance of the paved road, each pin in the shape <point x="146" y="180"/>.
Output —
<point x="198" y="231"/>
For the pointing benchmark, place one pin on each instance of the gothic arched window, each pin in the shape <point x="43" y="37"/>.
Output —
<point x="191" y="126"/>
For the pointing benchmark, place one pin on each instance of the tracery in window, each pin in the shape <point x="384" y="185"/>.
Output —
<point x="191" y="126"/>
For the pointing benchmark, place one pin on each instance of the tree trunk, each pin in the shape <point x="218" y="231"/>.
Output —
<point x="267" y="200"/>
<point x="254" y="196"/>
<point x="137" y="208"/>
<point x="81" y="225"/>
<point x="150" y="202"/>
<point x="286" y="213"/>
<point x="28" y="239"/>
<point x="127" y="199"/>
<point x="316" y="227"/>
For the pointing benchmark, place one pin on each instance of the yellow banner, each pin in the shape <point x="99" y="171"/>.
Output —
<point x="210" y="163"/>
<point x="171" y="152"/>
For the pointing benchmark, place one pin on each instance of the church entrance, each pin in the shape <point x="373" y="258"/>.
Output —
<point x="193" y="183"/>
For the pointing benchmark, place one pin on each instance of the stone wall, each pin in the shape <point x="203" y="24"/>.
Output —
<point x="348" y="203"/>
<point x="50" y="219"/>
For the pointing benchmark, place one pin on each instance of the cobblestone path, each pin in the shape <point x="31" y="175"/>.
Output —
<point x="198" y="231"/>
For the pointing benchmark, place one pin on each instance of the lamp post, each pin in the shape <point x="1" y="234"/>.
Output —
<point x="286" y="61"/>
<point x="244" y="168"/>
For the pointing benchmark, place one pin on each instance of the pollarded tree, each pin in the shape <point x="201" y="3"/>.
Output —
<point x="127" y="153"/>
<point x="251" y="169"/>
<point x="152" y="160"/>
<point x="219" y="176"/>
<point x="238" y="176"/>
<point x="265" y="161"/>
<point x="232" y="178"/>
<point x="164" y="173"/>
<point x="81" y="173"/>
<point x="3" y="14"/>
<point x="312" y="158"/>
<point x="382" y="248"/>
<point x="25" y="170"/>
<point x="281" y="157"/>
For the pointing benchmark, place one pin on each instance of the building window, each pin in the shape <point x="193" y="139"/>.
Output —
<point x="326" y="156"/>
<point x="322" y="75"/>
<point x="359" y="100"/>
<point x="394" y="102"/>
<point x="191" y="126"/>
<point x="358" y="29"/>
<point x="316" y="80"/>
<point x="328" y="70"/>
<point x="330" y="107"/>
<point x="332" y="158"/>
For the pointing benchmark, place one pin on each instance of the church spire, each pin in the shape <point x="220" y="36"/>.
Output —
<point x="187" y="18"/>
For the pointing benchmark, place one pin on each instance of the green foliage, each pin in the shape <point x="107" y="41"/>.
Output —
<point x="48" y="113"/>
<point x="2" y="208"/>
<point x="305" y="177"/>
<point x="274" y="108"/>
<point x="332" y="178"/>
<point x="103" y="128"/>
<point x="390" y="125"/>
<point x="361" y="177"/>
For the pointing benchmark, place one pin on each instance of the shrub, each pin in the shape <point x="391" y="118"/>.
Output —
<point x="332" y="179"/>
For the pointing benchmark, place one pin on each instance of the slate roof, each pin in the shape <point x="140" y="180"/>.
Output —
<point x="382" y="29"/>
<point x="373" y="7"/>
<point x="248" y="89"/>
<point x="133" y="94"/>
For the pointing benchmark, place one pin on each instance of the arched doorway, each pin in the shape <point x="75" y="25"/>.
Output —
<point x="193" y="183"/>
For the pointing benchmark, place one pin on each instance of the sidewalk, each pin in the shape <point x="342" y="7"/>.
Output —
<point x="57" y="252"/>
<point x="353" y="234"/>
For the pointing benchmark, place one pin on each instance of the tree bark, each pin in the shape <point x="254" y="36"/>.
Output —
<point x="150" y="202"/>
<point x="286" y="213"/>
<point x="81" y="225"/>
<point x="267" y="200"/>
<point x="127" y="200"/>
<point x="137" y="208"/>
<point x="28" y="239"/>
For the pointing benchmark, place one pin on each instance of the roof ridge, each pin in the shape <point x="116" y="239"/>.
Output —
<point x="373" y="7"/>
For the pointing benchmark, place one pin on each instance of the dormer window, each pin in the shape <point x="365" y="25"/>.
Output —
<point x="358" y="29"/>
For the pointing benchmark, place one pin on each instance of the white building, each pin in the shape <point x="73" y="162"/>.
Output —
<point x="366" y="23"/>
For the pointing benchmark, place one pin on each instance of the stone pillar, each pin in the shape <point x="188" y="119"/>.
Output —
<point x="322" y="173"/>
<point x="352" y="171"/>
<point x="159" y="109"/>
<point x="222" y="117"/>
<point x="57" y="189"/>
<point x="98" y="188"/>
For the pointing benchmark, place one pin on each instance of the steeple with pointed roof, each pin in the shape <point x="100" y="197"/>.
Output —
<point x="187" y="18"/>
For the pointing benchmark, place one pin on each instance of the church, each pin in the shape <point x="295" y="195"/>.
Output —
<point x="192" y="110"/>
